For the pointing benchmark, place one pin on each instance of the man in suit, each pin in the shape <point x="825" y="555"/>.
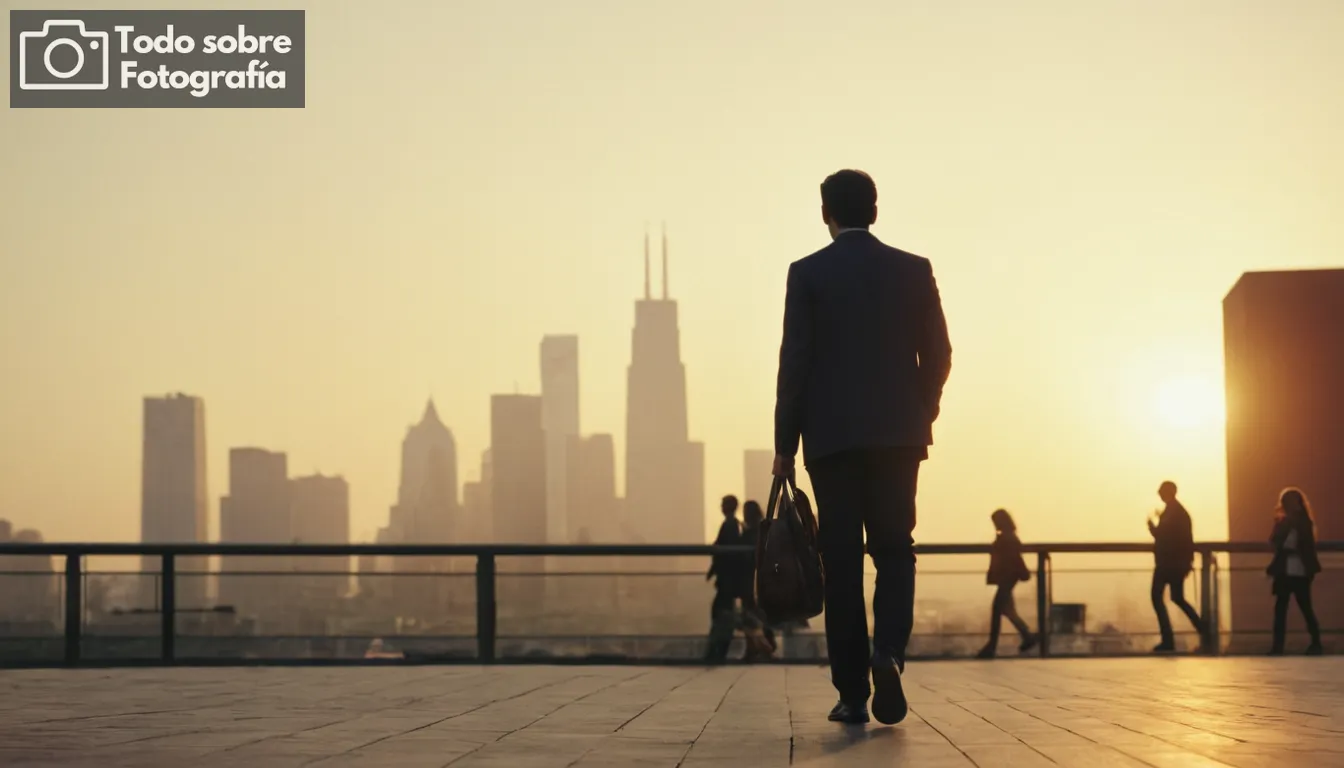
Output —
<point x="861" y="373"/>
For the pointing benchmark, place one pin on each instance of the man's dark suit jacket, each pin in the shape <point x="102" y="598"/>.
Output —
<point x="865" y="351"/>
<point x="1174" y="542"/>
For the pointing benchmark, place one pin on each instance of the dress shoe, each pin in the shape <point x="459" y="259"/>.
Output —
<point x="889" y="705"/>
<point x="849" y="714"/>
<point x="1028" y="643"/>
<point x="1315" y="649"/>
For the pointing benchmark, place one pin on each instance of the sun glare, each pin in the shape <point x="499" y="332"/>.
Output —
<point x="1189" y="402"/>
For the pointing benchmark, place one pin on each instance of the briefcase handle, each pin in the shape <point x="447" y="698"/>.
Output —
<point x="778" y="488"/>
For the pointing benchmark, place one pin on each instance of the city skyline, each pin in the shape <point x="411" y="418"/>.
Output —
<point x="1266" y="336"/>
<point x="468" y="177"/>
<point x="429" y="439"/>
<point x="427" y="508"/>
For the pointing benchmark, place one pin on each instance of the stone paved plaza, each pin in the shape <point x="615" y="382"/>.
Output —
<point x="1092" y="713"/>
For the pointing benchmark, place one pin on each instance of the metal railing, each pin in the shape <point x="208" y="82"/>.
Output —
<point x="486" y="575"/>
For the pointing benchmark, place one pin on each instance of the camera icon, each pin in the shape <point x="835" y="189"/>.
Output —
<point x="45" y="58"/>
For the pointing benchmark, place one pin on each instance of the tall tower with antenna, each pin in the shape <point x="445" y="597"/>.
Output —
<point x="664" y="470"/>
<point x="648" y="288"/>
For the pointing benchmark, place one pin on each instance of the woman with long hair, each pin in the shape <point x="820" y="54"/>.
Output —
<point x="1006" y="569"/>
<point x="1294" y="566"/>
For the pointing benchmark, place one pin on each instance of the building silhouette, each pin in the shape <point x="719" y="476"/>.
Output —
<point x="371" y="580"/>
<point x="594" y="509"/>
<point x="427" y="510"/>
<point x="478" y="505"/>
<point x="518" y="459"/>
<point x="518" y="502"/>
<point x="664" y="470"/>
<point x="320" y="509"/>
<point x="560" y="421"/>
<point x="30" y="592"/>
<point x="1283" y="338"/>
<point x="257" y="510"/>
<point x="757" y="477"/>
<point x="173" y="501"/>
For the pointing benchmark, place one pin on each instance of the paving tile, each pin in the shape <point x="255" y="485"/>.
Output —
<point x="1096" y="713"/>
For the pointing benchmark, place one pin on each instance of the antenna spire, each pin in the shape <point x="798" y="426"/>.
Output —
<point x="664" y="260"/>
<point x="648" y="291"/>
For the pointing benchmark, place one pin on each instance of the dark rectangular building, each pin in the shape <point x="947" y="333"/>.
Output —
<point x="518" y="454"/>
<point x="173" y="502"/>
<point x="320" y="514"/>
<point x="1283" y="335"/>
<point x="594" y="515"/>
<point x="256" y="511"/>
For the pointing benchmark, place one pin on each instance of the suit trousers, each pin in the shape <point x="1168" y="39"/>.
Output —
<point x="1173" y="580"/>
<point x="868" y="490"/>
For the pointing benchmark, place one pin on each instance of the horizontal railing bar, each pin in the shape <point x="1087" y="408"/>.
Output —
<point x="385" y="550"/>
<point x="569" y="550"/>
<point x="372" y="574"/>
<point x="180" y="574"/>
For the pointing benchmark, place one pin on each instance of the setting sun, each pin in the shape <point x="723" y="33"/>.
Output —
<point x="1189" y="402"/>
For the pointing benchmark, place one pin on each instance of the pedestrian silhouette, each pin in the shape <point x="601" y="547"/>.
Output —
<point x="862" y="364"/>
<point x="726" y="572"/>
<point x="1294" y="566"/>
<point x="1174" y="558"/>
<point x="1006" y="569"/>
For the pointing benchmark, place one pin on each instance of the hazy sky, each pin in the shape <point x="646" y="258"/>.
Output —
<point x="1089" y="179"/>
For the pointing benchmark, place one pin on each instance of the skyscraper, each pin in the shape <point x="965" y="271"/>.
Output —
<point x="426" y="512"/>
<point x="594" y="513"/>
<point x="560" y="420"/>
<point x="320" y="508"/>
<point x="518" y="458"/>
<point x="477" y="504"/>
<point x="664" y="471"/>
<point x="256" y="511"/>
<point x="1283" y="336"/>
<point x="518" y="496"/>
<point x="427" y="509"/>
<point x="173" y="500"/>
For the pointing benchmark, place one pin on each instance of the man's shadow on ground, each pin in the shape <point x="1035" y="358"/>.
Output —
<point x="847" y="737"/>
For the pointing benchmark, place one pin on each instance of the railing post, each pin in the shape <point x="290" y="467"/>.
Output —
<point x="485" y="608"/>
<point x="74" y="608"/>
<point x="1208" y="605"/>
<point x="1216" y="598"/>
<point x="168" y="608"/>
<point x="1043" y="601"/>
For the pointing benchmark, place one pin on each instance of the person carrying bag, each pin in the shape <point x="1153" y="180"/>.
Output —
<point x="790" y="578"/>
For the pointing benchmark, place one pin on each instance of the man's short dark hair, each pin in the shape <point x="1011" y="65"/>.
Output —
<point x="850" y="198"/>
<point x="729" y="504"/>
